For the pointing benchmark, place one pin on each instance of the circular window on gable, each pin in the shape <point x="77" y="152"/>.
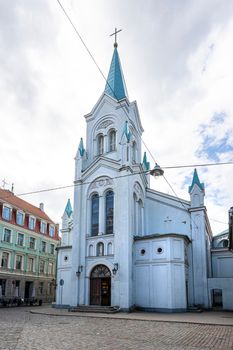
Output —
<point x="142" y="252"/>
<point x="66" y="258"/>
<point x="159" y="250"/>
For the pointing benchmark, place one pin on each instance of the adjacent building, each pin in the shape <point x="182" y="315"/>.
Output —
<point x="221" y="282"/>
<point x="28" y="242"/>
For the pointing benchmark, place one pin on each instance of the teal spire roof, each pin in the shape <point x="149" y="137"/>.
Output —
<point x="126" y="132"/>
<point x="115" y="86"/>
<point x="81" y="147"/>
<point x="68" y="209"/>
<point x="196" y="181"/>
<point x="146" y="164"/>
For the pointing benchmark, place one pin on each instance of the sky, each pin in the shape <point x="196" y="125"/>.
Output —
<point x="177" y="59"/>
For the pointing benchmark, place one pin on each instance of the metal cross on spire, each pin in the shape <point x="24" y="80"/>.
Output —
<point x="115" y="33"/>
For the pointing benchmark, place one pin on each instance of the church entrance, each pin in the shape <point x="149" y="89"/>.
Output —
<point x="100" y="286"/>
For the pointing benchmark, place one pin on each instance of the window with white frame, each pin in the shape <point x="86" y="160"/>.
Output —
<point x="32" y="222"/>
<point x="18" y="262"/>
<point x="50" y="268"/>
<point x="32" y="243"/>
<point x="43" y="227"/>
<point x="42" y="266"/>
<point x="30" y="266"/>
<point x="51" y="230"/>
<point x="51" y="248"/>
<point x="43" y="247"/>
<point x="6" y="212"/>
<point x="19" y="218"/>
<point x="7" y="235"/>
<point x="20" y="239"/>
<point x="100" y="144"/>
<point x="5" y="260"/>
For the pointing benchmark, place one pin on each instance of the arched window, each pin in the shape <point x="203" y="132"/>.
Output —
<point x="100" y="144"/>
<point x="134" y="154"/>
<point x="110" y="248"/>
<point x="112" y="141"/>
<point x="109" y="212"/>
<point x="100" y="249"/>
<point x="95" y="215"/>
<point x="138" y="216"/>
<point x="91" y="250"/>
<point x="140" y="208"/>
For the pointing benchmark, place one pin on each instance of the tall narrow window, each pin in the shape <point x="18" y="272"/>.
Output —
<point x="100" y="142"/>
<point x="109" y="212"/>
<point x="95" y="215"/>
<point x="6" y="213"/>
<point x="100" y="249"/>
<point x="20" y="218"/>
<point x="134" y="155"/>
<point x="18" y="262"/>
<point x="7" y="235"/>
<point x="5" y="259"/>
<point x="112" y="141"/>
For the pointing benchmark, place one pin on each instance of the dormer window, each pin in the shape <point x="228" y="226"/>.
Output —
<point x="20" y="218"/>
<point x="100" y="144"/>
<point x="32" y="223"/>
<point x="43" y="227"/>
<point x="112" y="141"/>
<point x="6" y="213"/>
<point x="51" y="230"/>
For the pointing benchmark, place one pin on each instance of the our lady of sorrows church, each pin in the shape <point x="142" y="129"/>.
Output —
<point x="123" y="243"/>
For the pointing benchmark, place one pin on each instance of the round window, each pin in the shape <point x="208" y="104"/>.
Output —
<point x="142" y="251"/>
<point x="66" y="258"/>
<point x="159" y="250"/>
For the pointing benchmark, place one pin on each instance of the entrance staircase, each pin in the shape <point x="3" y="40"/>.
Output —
<point x="95" y="309"/>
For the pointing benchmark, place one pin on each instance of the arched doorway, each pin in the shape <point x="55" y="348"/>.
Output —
<point x="100" y="286"/>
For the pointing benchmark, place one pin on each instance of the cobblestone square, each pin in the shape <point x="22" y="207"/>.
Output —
<point x="21" y="330"/>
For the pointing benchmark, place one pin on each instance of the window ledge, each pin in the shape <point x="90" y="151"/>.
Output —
<point x="8" y="243"/>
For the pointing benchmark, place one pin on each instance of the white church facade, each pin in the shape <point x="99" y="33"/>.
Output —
<point x="123" y="243"/>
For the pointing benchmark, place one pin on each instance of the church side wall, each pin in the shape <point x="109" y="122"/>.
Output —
<point x="162" y="216"/>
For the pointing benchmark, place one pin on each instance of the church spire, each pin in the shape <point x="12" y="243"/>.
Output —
<point x="196" y="181"/>
<point x="68" y="209"/>
<point x="115" y="85"/>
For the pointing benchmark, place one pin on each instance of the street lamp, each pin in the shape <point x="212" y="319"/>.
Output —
<point x="115" y="268"/>
<point x="80" y="268"/>
<point x="157" y="171"/>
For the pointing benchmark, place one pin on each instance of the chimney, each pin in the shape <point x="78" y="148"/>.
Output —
<point x="42" y="206"/>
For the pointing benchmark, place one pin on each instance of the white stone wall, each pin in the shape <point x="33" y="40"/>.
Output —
<point x="159" y="273"/>
<point x="64" y="263"/>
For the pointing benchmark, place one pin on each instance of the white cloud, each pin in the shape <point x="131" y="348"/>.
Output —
<point x="48" y="82"/>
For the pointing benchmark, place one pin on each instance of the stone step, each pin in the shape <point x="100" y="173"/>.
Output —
<point x="95" y="309"/>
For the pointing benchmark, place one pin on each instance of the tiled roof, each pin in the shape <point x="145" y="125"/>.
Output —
<point x="18" y="203"/>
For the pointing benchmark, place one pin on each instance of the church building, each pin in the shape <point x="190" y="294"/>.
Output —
<point x="123" y="243"/>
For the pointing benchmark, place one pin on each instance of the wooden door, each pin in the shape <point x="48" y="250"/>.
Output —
<point x="95" y="289"/>
<point x="105" y="291"/>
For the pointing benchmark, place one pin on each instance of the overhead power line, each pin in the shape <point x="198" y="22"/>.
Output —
<point x="122" y="176"/>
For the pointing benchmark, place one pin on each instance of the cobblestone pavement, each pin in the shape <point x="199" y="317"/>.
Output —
<point x="21" y="330"/>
